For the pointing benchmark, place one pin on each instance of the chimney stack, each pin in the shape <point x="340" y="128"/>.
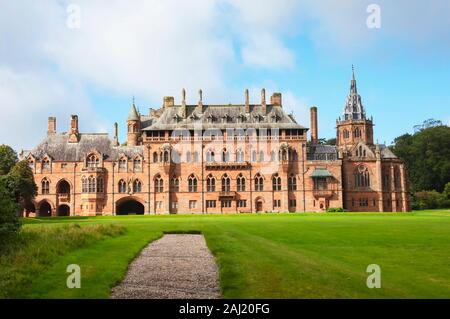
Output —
<point x="263" y="101"/>
<point x="116" y="138"/>
<point x="314" y="134"/>
<point x="74" y="133"/>
<point x="247" y="102"/>
<point x="183" y="103"/>
<point x="275" y="99"/>
<point x="200" y="101"/>
<point x="51" y="129"/>
<point x="168" y="101"/>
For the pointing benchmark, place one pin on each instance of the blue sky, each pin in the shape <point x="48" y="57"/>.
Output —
<point x="149" y="49"/>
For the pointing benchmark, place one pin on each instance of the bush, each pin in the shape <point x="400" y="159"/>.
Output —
<point x="335" y="210"/>
<point x="9" y="221"/>
<point x="430" y="200"/>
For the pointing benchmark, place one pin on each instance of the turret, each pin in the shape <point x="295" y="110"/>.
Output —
<point x="134" y="126"/>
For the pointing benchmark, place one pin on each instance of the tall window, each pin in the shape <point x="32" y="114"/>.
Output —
<point x="175" y="184"/>
<point x="166" y="156"/>
<point x="240" y="183"/>
<point x="196" y="160"/>
<point x="92" y="161"/>
<point x="188" y="157"/>
<point x="274" y="156"/>
<point x="84" y="184"/>
<point x="210" y="183"/>
<point x="122" y="186"/>
<point x="346" y="134"/>
<point x="362" y="177"/>
<point x="226" y="183"/>
<point x="261" y="156"/>
<point x="155" y="157"/>
<point x="253" y="156"/>
<point x="100" y="185"/>
<point x="225" y="156"/>
<point x="159" y="184"/>
<point x="123" y="164"/>
<point x="292" y="183"/>
<point x="46" y="164"/>
<point x="137" y="186"/>
<point x="91" y="184"/>
<point x="137" y="164"/>
<point x="239" y="156"/>
<point x="320" y="183"/>
<point x="210" y="156"/>
<point x="259" y="183"/>
<point x="45" y="186"/>
<point x="192" y="183"/>
<point x="276" y="183"/>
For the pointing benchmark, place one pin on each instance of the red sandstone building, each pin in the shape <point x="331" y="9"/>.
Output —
<point x="217" y="159"/>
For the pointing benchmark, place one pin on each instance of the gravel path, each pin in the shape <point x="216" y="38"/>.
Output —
<point x="175" y="266"/>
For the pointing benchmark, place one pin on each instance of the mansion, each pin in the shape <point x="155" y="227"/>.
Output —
<point x="231" y="158"/>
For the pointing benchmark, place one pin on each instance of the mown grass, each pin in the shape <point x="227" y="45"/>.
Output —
<point x="273" y="255"/>
<point x="34" y="250"/>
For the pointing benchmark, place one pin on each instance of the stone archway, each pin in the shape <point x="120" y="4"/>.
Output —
<point x="129" y="206"/>
<point x="45" y="209"/>
<point x="259" y="203"/>
<point x="63" y="210"/>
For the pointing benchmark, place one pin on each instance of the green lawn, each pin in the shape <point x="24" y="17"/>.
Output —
<point x="273" y="255"/>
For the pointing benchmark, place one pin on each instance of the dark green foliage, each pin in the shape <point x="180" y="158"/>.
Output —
<point x="335" y="210"/>
<point x="8" y="158"/>
<point x="430" y="200"/>
<point x="427" y="157"/>
<point x="9" y="221"/>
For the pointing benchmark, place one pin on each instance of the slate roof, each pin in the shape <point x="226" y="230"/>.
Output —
<point x="213" y="116"/>
<point x="57" y="146"/>
<point x="321" y="172"/>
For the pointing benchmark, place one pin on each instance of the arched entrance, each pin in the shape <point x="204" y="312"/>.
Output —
<point x="63" y="191"/>
<point x="259" y="204"/>
<point x="45" y="210"/>
<point x="63" y="210"/>
<point x="129" y="207"/>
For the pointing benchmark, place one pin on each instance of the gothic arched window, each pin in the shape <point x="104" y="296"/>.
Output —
<point x="159" y="184"/>
<point x="240" y="156"/>
<point x="276" y="183"/>
<point x="175" y="184"/>
<point x="122" y="186"/>
<point x="155" y="157"/>
<point x="240" y="183"/>
<point x="137" y="164"/>
<point x="259" y="182"/>
<point x="137" y="186"/>
<point x="225" y="156"/>
<point x="100" y="185"/>
<point x="92" y="184"/>
<point x="254" y="156"/>
<point x="292" y="183"/>
<point x="84" y="185"/>
<point x="210" y="183"/>
<point x="226" y="183"/>
<point x="192" y="183"/>
<point x="123" y="164"/>
<point x="362" y="177"/>
<point x="188" y="157"/>
<point x="92" y="161"/>
<point x="45" y="186"/>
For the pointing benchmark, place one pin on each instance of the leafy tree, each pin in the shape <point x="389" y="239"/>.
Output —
<point x="427" y="157"/>
<point x="8" y="158"/>
<point x="9" y="220"/>
<point x="21" y="183"/>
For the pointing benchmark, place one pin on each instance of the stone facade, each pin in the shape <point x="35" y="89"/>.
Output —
<point x="217" y="159"/>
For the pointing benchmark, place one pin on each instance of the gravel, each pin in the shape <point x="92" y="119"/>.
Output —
<point x="173" y="267"/>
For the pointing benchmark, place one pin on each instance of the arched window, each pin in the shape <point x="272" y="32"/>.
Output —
<point x="210" y="156"/>
<point x="226" y="183"/>
<point x="261" y="156"/>
<point x="259" y="182"/>
<point x="274" y="156"/>
<point x="225" y="156"/>
<point x="92" y="184"/>
<point x="45" y="164"/>
<point x="293" y="156"/>
<point x="292" y="183"/>
<point x="45" y="186"/>
<point x="100" y="185"/>
<point x="137" y="186"/>
<point x="192" y="183"/>
<point x="137" y="164"/>
<point x="84" y="185"/>
<point x="357" y="133"/>
<point x="210" y="183"/>
<point x="362" y="177"/>
<point x="122" y="186"/>
<point x="276" y="183"/>
<point x="175" y="184"/>
<point x="155" y="157"/>
<point x="253" y="156"/>
<point x="159" y="184"/>
<point x="123" y="164"/>
<point x="346" y="134"/>
<point x="166" y="156"/>
<point x="92" y="161"/>
<point x="239" y="156"/>
<point x="240" y="183"/>
<point x="196" y="157"/>
<point x="188" y="157"/>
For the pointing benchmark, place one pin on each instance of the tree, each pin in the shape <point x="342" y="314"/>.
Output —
<point x="21" y="182"/>
<point x="9" y="220"/>
<point x="8" y="158"/>
<point x="427" y="157"/>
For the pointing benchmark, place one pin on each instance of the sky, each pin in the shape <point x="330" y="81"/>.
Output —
<point x="90" y="58"/>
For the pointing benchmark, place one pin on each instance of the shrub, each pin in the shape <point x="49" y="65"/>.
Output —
<point x="335" y="210"/>
<point x="430" y="200"/>
<point x="9" y="221"/>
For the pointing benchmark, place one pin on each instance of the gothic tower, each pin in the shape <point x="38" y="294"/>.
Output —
<point x="133" y="126"/>
<point x="354" y="126"/>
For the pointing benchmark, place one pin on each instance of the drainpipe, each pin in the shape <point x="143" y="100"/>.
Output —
<point x="303" y="178"/>
<point x="148" y="179"/>
<point x="113" y="186"/>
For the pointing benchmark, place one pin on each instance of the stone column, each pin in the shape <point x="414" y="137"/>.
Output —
<point x="404" y="190"/>
<point x="380" y="180"/>
<point x="393" y="192"/>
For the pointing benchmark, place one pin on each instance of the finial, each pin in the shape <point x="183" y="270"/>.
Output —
<point x="133" y="99"/>
<point x="200" y="93"/>
<point x="353" y="72"/>
<point x="183" y="94"/>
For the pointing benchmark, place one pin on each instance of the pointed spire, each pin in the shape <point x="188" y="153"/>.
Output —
<point x="133" y="114"/>
<point x="353" y="82"/>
